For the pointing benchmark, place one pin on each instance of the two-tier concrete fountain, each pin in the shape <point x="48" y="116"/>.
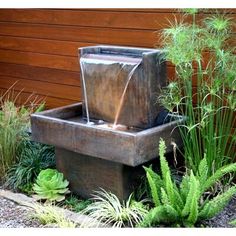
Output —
<point x="103" y="141"/>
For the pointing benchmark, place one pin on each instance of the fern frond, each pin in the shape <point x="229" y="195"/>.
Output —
<point x="164" y="197"/>
<point x="193" y="193"/>
<point x="203" y="170"/>
<point x="165" y="170"/>
<point x="194" y="205"/>
<point x="162" y="148"/>
<point x="161" y="214"/>
<point x="217" y="204"/>
<point x="151" y="177"/>
<point x="179" y="203"/>
<point x="169" y="187"/>
<point x="184" y="187"/>
<point x="218" y="175"/>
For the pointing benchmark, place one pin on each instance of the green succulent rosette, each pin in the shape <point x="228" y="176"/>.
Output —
<point x="51" y="185"/>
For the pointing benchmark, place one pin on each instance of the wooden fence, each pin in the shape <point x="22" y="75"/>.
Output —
<point x="39" y="47"/>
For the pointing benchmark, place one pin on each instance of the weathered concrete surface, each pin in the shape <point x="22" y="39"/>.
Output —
<point x="87" y="174"/>
<point x="57" y="127"/>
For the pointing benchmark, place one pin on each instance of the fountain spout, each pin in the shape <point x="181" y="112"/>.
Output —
<point x="120" y="85"/>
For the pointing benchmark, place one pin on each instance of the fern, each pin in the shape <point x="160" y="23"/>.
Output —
<point x="179" y="203"/>
<point x="217" y="176"/>
<point x="162" y="150"/>
<point x="151" y="176"/>
<point x="164" y="197"/>
<point x="193" y="193"/>
<point x="166" y="174"/>
<point x="217" y="204"/>
<point x="184" y="204"/>
<point x="170" y="189"/>
<point x="184" y="187"/>
<point x="193" y="207"/>
<point x="165" y="170"/>
<point x="161" y="214"/>
<point x="203" y="170"/>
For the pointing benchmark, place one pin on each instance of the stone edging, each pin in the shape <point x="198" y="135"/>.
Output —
<point x="29" y="202"/>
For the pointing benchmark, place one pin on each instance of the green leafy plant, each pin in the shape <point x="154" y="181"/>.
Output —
<point x="51" y="185"/>
<point x="233" y="222"/>
<point x="33" y="158"/>
<point x="75" y="204"/>
<point x="107" y="209"/>
<point x="203" y="89"/>
<point x="186" y="203"/>
<point x="51" y="216"/>
<point x="14" y="124"/>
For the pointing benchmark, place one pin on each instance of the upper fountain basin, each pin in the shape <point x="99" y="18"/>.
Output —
<point x="106" y="71"/>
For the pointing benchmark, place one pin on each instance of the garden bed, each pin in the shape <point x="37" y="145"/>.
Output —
<point x="14" y="204"/>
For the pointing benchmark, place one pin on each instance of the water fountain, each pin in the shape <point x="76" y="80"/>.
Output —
<point x="104" y="141"/>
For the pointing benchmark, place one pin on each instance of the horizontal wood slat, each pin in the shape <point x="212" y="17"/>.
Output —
<point x="95" y="18"/>
<point x="40" y="73"/>
<point x="83" y="35"/>
<point x="92" y="18"/>
<point x="43" y="88"/>
<point x="141" y="38"/>
<point x="40" y="60"/>
<point x="64" y="48"/>
<point x="163" y="10"/>
<point x="24" y="98"/>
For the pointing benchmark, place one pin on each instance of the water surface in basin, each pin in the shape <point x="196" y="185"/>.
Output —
<point x="104" y="125"/>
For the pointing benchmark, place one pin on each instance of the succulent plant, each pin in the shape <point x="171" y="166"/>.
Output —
<point x="51" y="185"/>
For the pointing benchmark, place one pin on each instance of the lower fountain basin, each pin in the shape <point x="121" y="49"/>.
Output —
<point x="64" y="128"/>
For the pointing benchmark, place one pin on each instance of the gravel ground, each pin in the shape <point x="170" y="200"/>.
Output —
<point x="15" y="216"/>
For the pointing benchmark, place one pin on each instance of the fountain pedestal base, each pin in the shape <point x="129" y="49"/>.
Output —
<point x="87" y="173"/>
<point x="92" y="157"/>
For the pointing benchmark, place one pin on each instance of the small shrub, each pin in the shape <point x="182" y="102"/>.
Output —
<point x="14" y="122"/>
<point x="108" y="210"/>
<point x="33" y="158"/>
<point x="51" y="185"/>
<point x="75" y="204"/>
<point x="50" y="215"/>
<point x="184" y="204"/>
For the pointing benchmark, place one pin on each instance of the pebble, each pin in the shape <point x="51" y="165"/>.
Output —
<point x="15" y="216"/>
